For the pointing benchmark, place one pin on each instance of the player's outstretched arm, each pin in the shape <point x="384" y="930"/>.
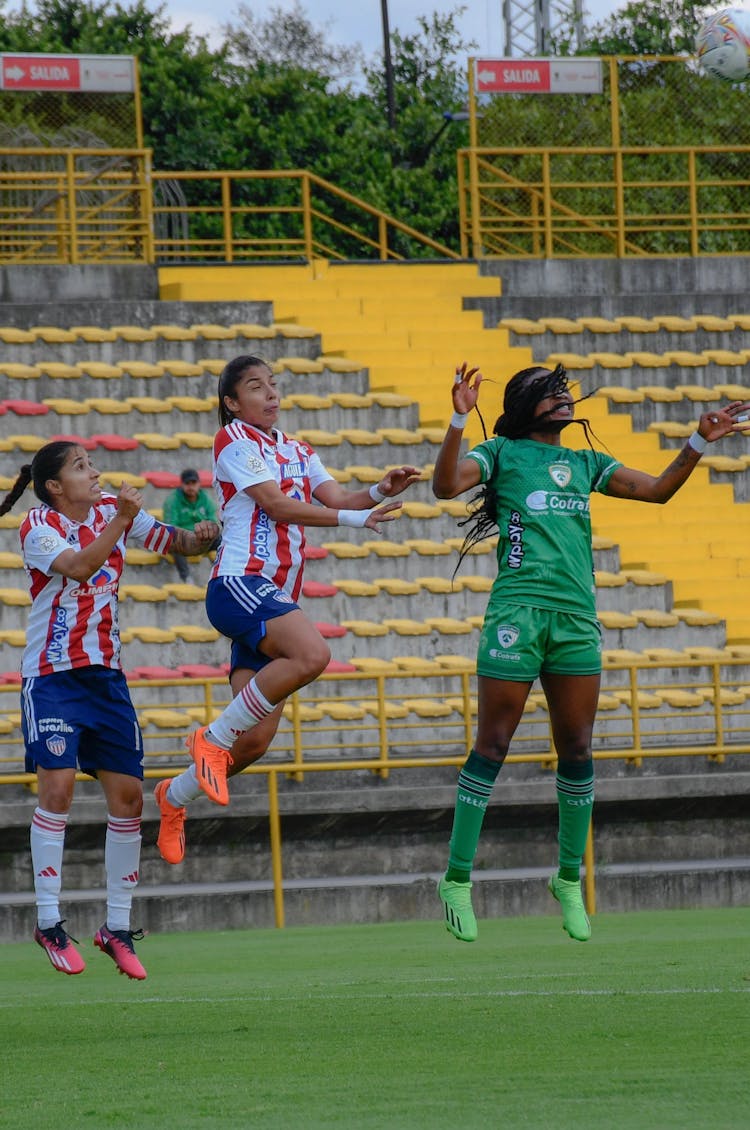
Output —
<point x="642" y="487"/>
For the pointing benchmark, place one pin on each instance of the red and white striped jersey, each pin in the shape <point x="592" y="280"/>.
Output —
<point x="74" y="624"/>
<point x="251" y="542"/>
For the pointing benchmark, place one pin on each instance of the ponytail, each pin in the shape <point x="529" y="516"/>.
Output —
<point x="15" y="492"/>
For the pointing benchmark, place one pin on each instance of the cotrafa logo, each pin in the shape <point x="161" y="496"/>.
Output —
<point x="543" y="500"/>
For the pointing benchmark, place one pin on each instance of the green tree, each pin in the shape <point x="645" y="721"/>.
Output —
<point x="648" y="27"/>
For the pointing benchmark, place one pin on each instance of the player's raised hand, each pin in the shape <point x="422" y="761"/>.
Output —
<point x="465" y="389"/>
<point x="719" y="422"/>
<point x="129" y="501"/>
<point x="385" y="513"/>
<point x="397" y="480"/>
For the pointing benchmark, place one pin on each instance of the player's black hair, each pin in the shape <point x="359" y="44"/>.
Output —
<point x="523" y="392"/>
<point x="45" y="465"/>
<point x="230" y="377"/>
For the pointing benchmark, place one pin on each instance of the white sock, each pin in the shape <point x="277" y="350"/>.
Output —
<point x="248" y="708"/>
<point x="122" y="855"/>
<point x="184" y="788"/>
<point x="47" y="837"/>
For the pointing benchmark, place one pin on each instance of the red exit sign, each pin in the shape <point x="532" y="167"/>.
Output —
<point x="538" y="76"/>
<point x="106" y="73"/>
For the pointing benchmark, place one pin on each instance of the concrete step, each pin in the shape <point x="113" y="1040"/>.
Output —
<point x="360" y="899"/>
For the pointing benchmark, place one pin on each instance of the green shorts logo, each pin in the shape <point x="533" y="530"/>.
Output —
<point x="507" y="634"/>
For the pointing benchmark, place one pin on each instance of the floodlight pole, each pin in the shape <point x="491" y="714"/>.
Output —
<point x="389" y="92"/>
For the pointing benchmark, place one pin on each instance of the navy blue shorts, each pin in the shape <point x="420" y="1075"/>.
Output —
<point x="240" y="608"/>
<point x="81" y="718"/>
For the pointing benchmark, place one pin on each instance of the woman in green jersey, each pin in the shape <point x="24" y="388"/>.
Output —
<point x="541" y="617"/>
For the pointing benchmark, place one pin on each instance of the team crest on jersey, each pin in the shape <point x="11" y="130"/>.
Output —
<point x="56" y="745"/>
<point x="560" y="473"/>
<point x="507" y="634"/>
<point x="282" y="598"/>
<point x="43" y="543"/>
<point x="255" y="464"/>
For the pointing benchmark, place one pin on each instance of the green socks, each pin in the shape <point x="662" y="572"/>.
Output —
<point x="575" y="798"/>
<point x="475" y="783"/>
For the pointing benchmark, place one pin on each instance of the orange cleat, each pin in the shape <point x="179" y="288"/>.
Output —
<point x="171" y="838"/>
<point x="211" y="764"/>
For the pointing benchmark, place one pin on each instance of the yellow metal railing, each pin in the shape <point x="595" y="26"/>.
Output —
<point x="211" y="216"/>
<point x="379" y="738"/>
<point x="547" y="202"/>
<point x="75" y="206"/>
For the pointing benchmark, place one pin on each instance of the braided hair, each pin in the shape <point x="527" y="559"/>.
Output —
<point x="46" y="464"/>
<point x="524" y="391"/>
<point x="230" y="378"/>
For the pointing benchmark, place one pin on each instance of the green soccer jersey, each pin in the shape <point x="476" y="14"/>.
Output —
<point x="544" y="553"/>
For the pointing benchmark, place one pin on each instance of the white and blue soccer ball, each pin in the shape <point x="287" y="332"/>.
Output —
<point x="722" y="45"/>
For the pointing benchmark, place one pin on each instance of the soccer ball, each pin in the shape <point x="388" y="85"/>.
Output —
<point x="722" y="45"/>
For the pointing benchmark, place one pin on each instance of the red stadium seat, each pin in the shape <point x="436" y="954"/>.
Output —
<point x="26" y="407"/>
<point x="201" y="671"/>
<point x="337" y="667"/>
<point x="111" y="442"/>
<point x="331" y="631"/>
<point x="318" y="588"/>
<point x="154" y="672"/>
<point x="165" y="480"/>
<point x="88" y="443"/>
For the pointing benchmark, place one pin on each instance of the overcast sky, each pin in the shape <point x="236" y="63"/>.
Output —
<point x="360" y="21"/>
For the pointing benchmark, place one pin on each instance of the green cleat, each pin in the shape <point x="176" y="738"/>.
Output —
<point x="459" y="915"/>
<point x="575" y="918"/>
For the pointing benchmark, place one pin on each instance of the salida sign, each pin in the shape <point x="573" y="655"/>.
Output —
<point x="538" y="76"/>
<point x="97" y="73"/>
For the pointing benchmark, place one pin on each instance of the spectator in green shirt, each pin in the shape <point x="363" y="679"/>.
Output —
<point x="187" y="505"/>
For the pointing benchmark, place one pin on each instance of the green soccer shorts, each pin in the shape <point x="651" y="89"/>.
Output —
<point x="519" y="642"/>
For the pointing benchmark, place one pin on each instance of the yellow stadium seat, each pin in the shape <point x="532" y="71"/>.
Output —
<point x="195" y="633"/>
<point x="699" y="393"/>
<point x="339" y="364"/>
<point x="213" y="365"/>
<point x="356" y="588"/>
<point x="441" y="584"/>
<point x="346" y="549"/>
<point x="674" y="324"/>
<point x="524" y="326"/>
<point x="193" y="403"/>
<point x="387" y="548"/>
<point x="372" y="665"/>
<point x="638" y="325"/>
<point x="474" y="584"/>
<point x="10" y="560"/>
<point x="608" y="702"/>
<point x="134" y="555"/>
<point x="18" y="598"/>
<point x="147" y="634"/>
<point x="606" y="580"/>
<point x="725" y="356"/>
<point x="360" y="437"/>
<point x="195" y="440"/>
<point x="619" y="395"/>
<point x="164" y="719"/>
<point x="184" y="590"/>
<point x="213" y="332"/>
<point x="660" y="393"/>
<point x="100" y="370"/>
<point x="52" y="335"/>
<point x="306" y="401"/>
<point x="175" y="333"/>
<point x="697" y="617"/>
<point x="356" y="400"/>
<point x="455" y="507"/>
<point x="117" y="478"/>
<point x="647" y="700"/>
<point x="391" y="710"/>
<point x="24" y="441"/>
<point x="562" y="325"/>
<point x="19" y="372"/>
<point x="599" y="325"/>
<point x="656" y="617"/>
<point x="418" y="664"/>
<point x="395" y="586"/>
<point x="148" y="404"/>
<point x="614" y="620"/>
<point x="713" y="322"/>
<point x="421" y="510"/>
<point x="156" y="441"/>
<point x="93" y="333"/>
<point x="317" y="438"/>
<point x="145" y="369"/>
<point x="648" y="360"/>
<point x="252" y="330"/>
<point x="365" y="473"/>
<point x="365" y="627"/>
<point x="457" y="664"/>
<point x="671" y="429"/>
<point x="108" y="406"/>
<point x="683" y="699"/>
<point x="449" y="626"/>
<point x="297" y="365"/>
<point x="293" y="330"/>
<point x="343" y="711"/>
<point x="14" y="637"/>
<point x="686" y="358"/>
<point x="303" y="711"/>
<point x="12" y="335"/>
<point x="134" y="333"/>
<point x="428" y="707"/>
<point x="65" y="406"/>
<point x="58" y="370"/>
<point x="178" y="368"/>
<point x="406" y="627"/>
<point x="645" y="577"/>
<point x="569" y="360"/>
<point x="149" y="594"/>
<point x="611" y="360"/>
<point x="426" y="548"/>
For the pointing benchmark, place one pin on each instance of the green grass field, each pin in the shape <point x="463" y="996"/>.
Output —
<point x="396" y="1026"/>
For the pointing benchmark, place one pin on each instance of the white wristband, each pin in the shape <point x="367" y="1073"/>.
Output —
<point x="697" y="442"/>
<point x="458" y="420"/>
<point x="353" y="517"/>
<point x="375" y="493"/>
